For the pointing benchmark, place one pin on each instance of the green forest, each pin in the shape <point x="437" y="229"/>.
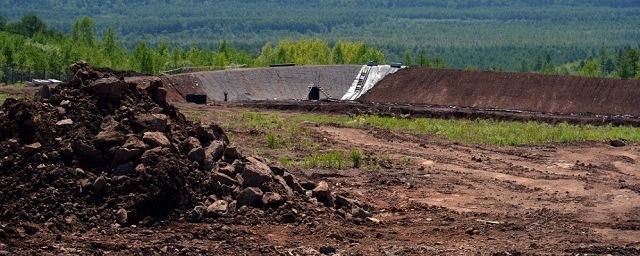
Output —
<point x="29" y="45"/>
<point x="487" y="34"/>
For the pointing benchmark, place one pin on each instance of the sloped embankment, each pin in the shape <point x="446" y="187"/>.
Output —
<point x="514" y="91"/>
<point x="281" y="83"/>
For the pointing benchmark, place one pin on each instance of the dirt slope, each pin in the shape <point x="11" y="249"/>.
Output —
<point x="518" y="91"/>
<point x="283" y="83"/>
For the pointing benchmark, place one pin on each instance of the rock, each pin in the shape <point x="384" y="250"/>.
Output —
<point x="124" y="169"/>
<point x="100" y="185"/>
<point x="228" y="170"/>
<point x="223" y="179"/>
<point x="134" y="143"/>
<point x="323" y="194"/>
<point x="109" y="88"/>
<point x="277" y="169"/>
<point x="231" y="154"/>
<point x="64" y="122"/>
<point x="44" y="92"/>
<point x="125" y="154"/>
<point x="156" y="139"/>
<point x="110" y="138"/>
<point x="283" y="183"/>
<point x="219" y="207"/>
<point x="208" y="133"/>
<point x="86" y="151"/>
<point x="152" y="122"/>
<point x="328" y="250"/>
<point x="358" y="212"/>
<point x="197" y="155"/>
<point x="617" y="143"/>
<point x="255" y="175"/>
<point x="308" y="185"/>
<point x="214" y="151"/>
<point x="272" y="199"/>
<point x="249" y="197"/>
<point x="65" y="103"/>
<point x="122" y="216"/>
<point x="293" y="183"/>
<point x="197" y="214"/>
<point x="32" y="147"/>
<point x="189" y="144"/>
<point x="343" y="202"/>
<point x="109" y="124"/>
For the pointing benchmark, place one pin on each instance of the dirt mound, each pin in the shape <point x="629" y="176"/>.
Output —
<point x="514" y="91"/>
<point x="98" y="151"/>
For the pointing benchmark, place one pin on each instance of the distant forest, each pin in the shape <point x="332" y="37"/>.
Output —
<point x="487" y="34"/>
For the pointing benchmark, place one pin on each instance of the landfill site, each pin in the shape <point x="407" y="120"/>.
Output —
<point x="119" y="163"/>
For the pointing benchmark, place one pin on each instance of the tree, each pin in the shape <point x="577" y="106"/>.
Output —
<point x="3" y="23"/>
<point x="28" y="26"/>
<point x="422" y="59"/>
<point x="82" y="31"/>
<point x="591" y="68"/>
<point x="144" y="58"/>
<point x="337" y="55"/>
<point x="407" y="58"/>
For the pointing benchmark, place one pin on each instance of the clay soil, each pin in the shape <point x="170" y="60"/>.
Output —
<point x="431" y="196"/>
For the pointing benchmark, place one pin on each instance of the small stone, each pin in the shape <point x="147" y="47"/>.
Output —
<point x="231" y="154"/>
<point x="156" y="139"/>
<point x="100" y="185"/>
<point x="65" y="103"/>
<point x="32" y="147"/>
<point x="189" y="144"/>
<point x="214" y="151"/>
<point x="328" y="250"/>
<point x="133" y="143"/>
<point x="197" y="214"/>
<point x="293" y="183"/>
<point x="249" y="197"/>
<point x="223" y="179"/>
<point x="617" y="143"/>
<point x="152" y="122"/>
<point x="110" y="138"/>
<point x="358" y="212"/>
<point x="123" y="154"/>
<point x="323" y="194"/>
<point x="64" y="122"/>
<point x="272" y="199"/>
<point x="256" y="175"/>
<point x="122" y="216"/>
<point x="197" y="155"/>
<point x="219" y="207"/>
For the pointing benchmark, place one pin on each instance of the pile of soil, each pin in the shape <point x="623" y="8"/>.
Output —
<point x="97" y="150"/>
<point x="504" y="90"/>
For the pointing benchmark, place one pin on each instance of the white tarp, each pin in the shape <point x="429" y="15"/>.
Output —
<point x="367" y="78"/>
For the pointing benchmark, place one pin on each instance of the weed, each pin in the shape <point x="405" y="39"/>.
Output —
<point x="327" y="160"/>
<point x="272" y="141"/>
<point x="356" y="157"/>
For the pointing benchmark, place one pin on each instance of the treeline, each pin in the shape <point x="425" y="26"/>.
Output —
<point x="485" y="34"/>
<point x="625" y="63"/>
<point x="30" y="45"/>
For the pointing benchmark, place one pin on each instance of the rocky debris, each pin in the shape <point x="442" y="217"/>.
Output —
<point x="617" y="143"/>
<point x="127" y="157"/>
<point x="249" y="197"/>
<point x="323" y="194"/>
<point x="64" y="122"/>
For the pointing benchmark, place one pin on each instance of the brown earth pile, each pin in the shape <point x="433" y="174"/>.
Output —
<point x="513" y="91"/>
<point x="101" y="151"/>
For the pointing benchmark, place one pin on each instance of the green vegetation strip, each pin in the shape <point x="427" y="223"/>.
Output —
<point x="499" y="133"/>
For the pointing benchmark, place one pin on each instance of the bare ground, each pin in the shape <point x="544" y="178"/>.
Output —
<point x="432" y="197"/>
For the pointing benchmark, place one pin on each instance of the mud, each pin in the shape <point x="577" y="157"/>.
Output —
<point x="512" y="91"/>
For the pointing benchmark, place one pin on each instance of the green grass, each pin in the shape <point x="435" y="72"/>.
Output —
<point x="292" y="134"/>
<point x="498" y="133"/>
<point x="3" y="97"/>
<point x="356" y="157"/>
<point x="327" y="160"/>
